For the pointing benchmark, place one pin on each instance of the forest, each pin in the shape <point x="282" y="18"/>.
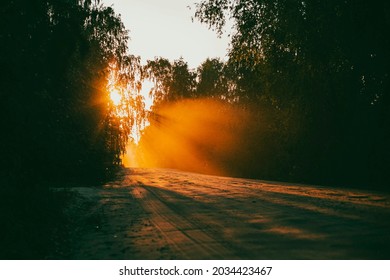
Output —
<point x="59" y="59"/>
<point x="311" y="79"/>
<point x="305" y="88"/>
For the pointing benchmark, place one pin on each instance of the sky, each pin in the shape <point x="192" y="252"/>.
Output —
<point x="165" y="28"/>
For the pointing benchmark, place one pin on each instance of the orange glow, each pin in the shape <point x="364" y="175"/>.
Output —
<point x="115" y="96"/>
<point x="294" y="232"/>
<point x="129" y="159"/>
<point x="146" y="87"/>
<point x="195" y="135"/>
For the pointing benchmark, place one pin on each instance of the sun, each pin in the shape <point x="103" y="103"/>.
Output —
<point x="115" y="96"/>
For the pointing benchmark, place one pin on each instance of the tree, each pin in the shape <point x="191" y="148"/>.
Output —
<point x="55" y="109"/>
<point x="172" y="81"/>
<point x="326" y="61"/>
<point x="159" y="71"/>
<point x="183" y="81"/>
<point x="212" y="79"/>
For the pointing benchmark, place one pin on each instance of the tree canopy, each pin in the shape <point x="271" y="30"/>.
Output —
<point x="326" y="61"/>
<point x="318" y="71"/>
<point x="172" y="80"/>
<point x="58" y="59"/>
<point x="313" y="74"/>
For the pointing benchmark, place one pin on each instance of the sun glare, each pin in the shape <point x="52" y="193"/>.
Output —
<point x="116" y="97"/>
<point x="196" y="135"/>
<point x="147" y="85"/>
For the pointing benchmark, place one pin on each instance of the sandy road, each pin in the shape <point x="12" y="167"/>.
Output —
<point x="168" y="214"/>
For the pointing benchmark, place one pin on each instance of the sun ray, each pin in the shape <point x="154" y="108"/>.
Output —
<point x="115" y="97"/>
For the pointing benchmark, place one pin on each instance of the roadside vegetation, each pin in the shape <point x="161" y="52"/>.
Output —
<point x="303" y="97"/>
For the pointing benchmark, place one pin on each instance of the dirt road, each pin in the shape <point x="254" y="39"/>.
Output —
<point x="168" y="214"/>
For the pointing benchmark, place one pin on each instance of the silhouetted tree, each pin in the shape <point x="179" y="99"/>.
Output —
<point x="321" y="67"/>
<point x="212" y="79"/>
<point x="159" y="71"/>
<point x="183" y="81"/>
<point x="172" y="81"/>
<point x="58" y="57"/>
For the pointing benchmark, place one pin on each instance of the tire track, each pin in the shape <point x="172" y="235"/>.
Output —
<point x="166" y="214"/>
<point x="188" y="240"/>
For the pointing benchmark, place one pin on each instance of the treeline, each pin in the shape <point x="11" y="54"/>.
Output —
<point x="314" y="76"/>
<point x="58" y="58"/>
<point x="59" y="61"/>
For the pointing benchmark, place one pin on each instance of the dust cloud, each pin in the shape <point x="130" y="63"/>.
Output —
<point x="199" y="135"/>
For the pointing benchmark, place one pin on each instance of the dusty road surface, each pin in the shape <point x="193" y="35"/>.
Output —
<point x="168" y="214"/>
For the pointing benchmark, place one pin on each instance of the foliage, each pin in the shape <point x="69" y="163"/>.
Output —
<point x="172" y="81"/>
<point x="59" y="127"/>
<point x="58" y="57"/>
<point x="314" y="76"/>
<point x="213" y="80"/>
<point x="322" y="66"/>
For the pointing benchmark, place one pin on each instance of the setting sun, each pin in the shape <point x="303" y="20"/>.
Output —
<point x="116" y="97"/>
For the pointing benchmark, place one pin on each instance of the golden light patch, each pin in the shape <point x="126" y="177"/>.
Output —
<point x="115" y="97"/>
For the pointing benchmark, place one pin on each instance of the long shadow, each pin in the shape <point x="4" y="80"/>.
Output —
<point x="266" y="227"/>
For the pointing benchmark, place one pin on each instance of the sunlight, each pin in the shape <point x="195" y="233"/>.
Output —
<point x="147" y="85"/>
<point x="129" y="159"/>
<point x="116" y="97"/>
<point x="194" y="135"/>
<point x="139" y="101"/>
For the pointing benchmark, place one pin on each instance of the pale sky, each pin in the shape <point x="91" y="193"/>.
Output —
<point x="164" y="28"/>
